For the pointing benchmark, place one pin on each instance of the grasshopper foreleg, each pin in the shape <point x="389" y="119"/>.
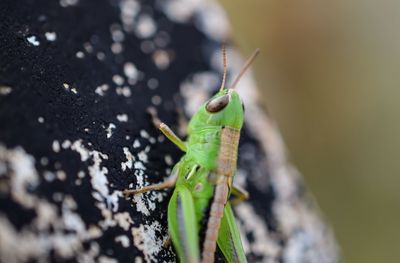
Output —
<point x="166" y="130"/>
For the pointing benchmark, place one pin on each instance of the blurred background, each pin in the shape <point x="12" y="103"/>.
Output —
<point x="329" y="74"/>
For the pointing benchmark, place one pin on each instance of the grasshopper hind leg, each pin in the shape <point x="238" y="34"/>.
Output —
<point x="238" y="195"/>
<point x="183" y="225"/>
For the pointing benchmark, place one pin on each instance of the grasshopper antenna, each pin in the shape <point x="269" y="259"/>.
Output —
<point x="246" y="67"/>
<point x="225" y="67"/>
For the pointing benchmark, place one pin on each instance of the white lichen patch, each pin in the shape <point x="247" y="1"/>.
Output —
<point x="102" y="89"/>
<point x="152" y="83"/>
<point x="30" y="242"/>
<point x="142" y="155"/>
<point x="72" y="220"/>
<point x="262" y="244"/>
<point x="136" y="143"/>
<point x="161" y="59"/>
<point x="33" y="41"/>
<point x="124" y="220"/>
<point x="139" y="165"/>
<point x="144" y="134"/>
<point x="80" y="54"/>
<point x="56" y="146"/>
<point x="117" y="34"/>
<point x="180" y="10"/>
<point x="105" y="259"/>
<point x="61" y="175"/>
<point x="122" y="117"/>
<point x="66" y="144"/>
<point x="23" y="174"/>
<point x="124" y="240"/>
<point x="156" y="100"/>
<point x="107" y="199"/>
<point x="124" y="91"/>
<point x="116" y="48"/>
<point x="88" y="47"/>
<point x="168" y="159"/>
<point x="50" y="36"/>
<point x="40" y="119"/>
<point x="129" y="159"/>
<point x="147" y="46"/>
<point x="110" y="129"/>
<point x="49" y="176"/>
<point x="80" y="148"/>
<point x="66" y="3"/>
<point x="5" y="90"/>
<point x="131" y="71"/>
<point x="208" y="16"/>
<point x="67" y="87"/>
<point x="196" y="91"/>
<point x="129" y="10"/>
<point x="147" y="239"/>
<point x="118" y="80"/>
<point x="101" y="56"/>
<point x="145" y="26"/>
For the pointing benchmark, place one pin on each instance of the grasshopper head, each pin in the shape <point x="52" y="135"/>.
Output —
<point x="225" y="108"/>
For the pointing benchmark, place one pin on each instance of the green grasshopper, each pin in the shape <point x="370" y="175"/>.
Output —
<point x="203" y="178"/>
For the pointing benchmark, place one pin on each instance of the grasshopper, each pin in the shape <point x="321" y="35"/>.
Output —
<point x="203" y="178"/>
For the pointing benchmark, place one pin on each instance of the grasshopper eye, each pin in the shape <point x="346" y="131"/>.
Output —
<point x="218" y="103"/>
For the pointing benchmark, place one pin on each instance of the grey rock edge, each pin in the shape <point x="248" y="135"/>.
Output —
<point x="76" y="78"/>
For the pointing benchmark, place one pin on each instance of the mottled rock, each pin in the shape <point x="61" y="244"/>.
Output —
<point x="76" y="78"/>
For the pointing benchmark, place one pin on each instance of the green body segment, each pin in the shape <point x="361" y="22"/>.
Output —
<point x="194" y="189"/>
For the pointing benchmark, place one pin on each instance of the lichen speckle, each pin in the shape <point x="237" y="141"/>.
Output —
<point x="118" y="80"/>
<point x="51" y="36"/>
<point x="56" y="146"/>
<point x="67" y="87"/>
<point x="124" y="91"/>
<point x="100" y="90"/>
<point x="33" y="41"/>
<point x="145" y="26"/>
<point x="129" y="159"/>
<point x="124" y="240"/>
<point x="66" y="3"/>
<point x="80" y="54"/>
<point x="5" y="90"/>
<point x="156" y="100"/>
<point x="152" y="83"/>
<point x="131" y="72"/>
<point x="110" y="129"/>
<point x="162" y="59"/>
<point x="101" y="56"/>
<point x="136" y="143"/>
<point x="116" y="48"/>
<point x="147" y="239"/>
<point x="122" y="117"/>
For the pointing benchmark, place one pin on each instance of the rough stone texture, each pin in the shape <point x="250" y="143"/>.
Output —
<point x="75" y="80"/>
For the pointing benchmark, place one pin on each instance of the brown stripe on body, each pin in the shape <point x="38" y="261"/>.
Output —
<point x="227" y="156"/>
<point x="226" y="167"/>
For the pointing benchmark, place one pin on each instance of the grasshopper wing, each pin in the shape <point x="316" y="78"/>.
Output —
<point x="182" y="225"/>
<point x="229" y="238"/>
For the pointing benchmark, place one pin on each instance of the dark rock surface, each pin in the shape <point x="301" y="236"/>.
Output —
<point x="76" y="78"/>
